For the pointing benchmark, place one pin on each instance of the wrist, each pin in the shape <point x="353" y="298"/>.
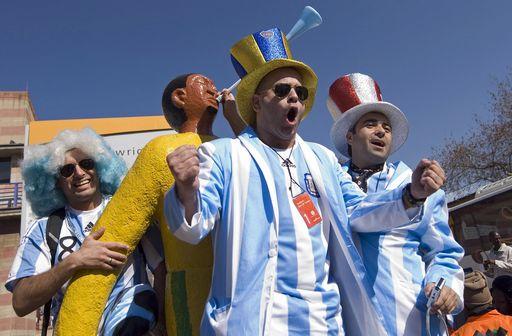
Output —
<point x="190" y="202"/>
<point x="409" y="200"/>
<point x="414" y="198"/>
<point x="186" y="195"/>
<point x="71" y="263"/>
<point x="228" y="112"/>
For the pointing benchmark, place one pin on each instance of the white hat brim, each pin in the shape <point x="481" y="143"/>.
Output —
<point x="397" y="119"/>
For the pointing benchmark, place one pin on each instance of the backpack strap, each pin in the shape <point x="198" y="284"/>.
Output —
<point x="53" y="227"/>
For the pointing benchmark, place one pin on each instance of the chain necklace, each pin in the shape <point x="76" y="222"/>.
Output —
<point x="286" y="162"/>
<point x="289" y="164"/>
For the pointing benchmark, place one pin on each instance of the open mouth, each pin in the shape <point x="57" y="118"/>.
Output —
<point x="292" y="114"/>
<point x="378" y="143"/>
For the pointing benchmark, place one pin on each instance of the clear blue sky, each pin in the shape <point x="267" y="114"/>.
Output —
<point x="434" y="59"/>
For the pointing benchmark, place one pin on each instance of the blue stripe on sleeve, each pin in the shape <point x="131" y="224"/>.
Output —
<point x="34" y="248"/>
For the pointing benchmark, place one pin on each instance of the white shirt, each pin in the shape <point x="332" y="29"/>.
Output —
<point x="503" y="261"/>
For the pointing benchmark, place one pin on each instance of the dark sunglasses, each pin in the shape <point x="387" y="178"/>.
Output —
<point x="68" y="169"/>
<point x="283" y="90"/>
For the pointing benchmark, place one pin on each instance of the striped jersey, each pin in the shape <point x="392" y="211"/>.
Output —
<point x="401" y="261"/>
<point x="272" y="274"/>
<point x="33" y="255"/>
<point x="304" y="299"/>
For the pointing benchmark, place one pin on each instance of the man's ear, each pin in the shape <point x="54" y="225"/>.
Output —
<point x="178" y="97"/>
<point x="349" y="137"/>
<point x="256" y="105"/>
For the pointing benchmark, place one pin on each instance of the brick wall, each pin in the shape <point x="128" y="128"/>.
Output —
<point x="10" y="324"/>
<point x="16" y="111"/>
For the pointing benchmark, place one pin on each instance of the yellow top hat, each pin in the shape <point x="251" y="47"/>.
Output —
<point x="258" y="54"/>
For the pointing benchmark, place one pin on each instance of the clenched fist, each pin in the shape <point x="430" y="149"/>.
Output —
<point x="427" y="178"/>
<point x="184" y="165"/>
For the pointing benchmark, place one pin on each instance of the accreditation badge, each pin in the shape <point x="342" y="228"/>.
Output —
<point x="307" y="209"/>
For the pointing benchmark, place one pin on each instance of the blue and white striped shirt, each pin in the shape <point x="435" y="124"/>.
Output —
<point x="33" y="255"/>
<point x="271" y="275"/>
<point x="304" y="299"/>
<point x="401" y="261"/>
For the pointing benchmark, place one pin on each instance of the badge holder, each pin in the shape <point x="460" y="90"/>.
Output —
<point x="307" y="209"/>
<point x="304" y="204"/>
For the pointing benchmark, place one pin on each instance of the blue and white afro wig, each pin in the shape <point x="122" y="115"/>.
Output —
<point x="40" y="168"/>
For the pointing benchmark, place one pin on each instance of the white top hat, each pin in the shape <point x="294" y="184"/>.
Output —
<point x="351" y="97"/>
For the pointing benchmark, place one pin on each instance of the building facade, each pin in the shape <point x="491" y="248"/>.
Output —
<point x="16" y="111"/>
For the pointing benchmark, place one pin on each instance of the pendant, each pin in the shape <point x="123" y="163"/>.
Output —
<point x="288" y="163"/>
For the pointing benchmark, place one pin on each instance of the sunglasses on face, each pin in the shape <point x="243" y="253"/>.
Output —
<point x="283" y="90"/>
<point x="68" y="169"/>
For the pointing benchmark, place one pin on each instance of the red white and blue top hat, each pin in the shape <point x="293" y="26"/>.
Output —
<point x="351" y="97"/>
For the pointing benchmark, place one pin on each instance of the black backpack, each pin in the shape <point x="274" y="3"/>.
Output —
<point x="53" y="227"/>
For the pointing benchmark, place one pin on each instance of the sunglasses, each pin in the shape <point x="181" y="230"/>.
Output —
<point x="69" y="169"/>
<point x="283" y="90"/>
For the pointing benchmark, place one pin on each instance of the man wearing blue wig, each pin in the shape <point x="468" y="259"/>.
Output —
<point x="278" y="207"/>
<point x="69" y="181"/>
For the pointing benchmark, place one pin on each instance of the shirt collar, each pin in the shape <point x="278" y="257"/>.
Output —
<point x="361" y="175"/>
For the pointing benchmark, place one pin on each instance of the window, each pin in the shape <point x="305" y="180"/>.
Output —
<point x="5" y="170"/>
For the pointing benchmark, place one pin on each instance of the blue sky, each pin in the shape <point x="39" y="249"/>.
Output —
<point x="436" y="60"/>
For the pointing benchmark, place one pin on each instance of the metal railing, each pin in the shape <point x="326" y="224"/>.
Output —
<point x="10" y="195"/>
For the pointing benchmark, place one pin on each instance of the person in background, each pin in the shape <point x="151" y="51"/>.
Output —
<point x="502" y="294"/>
<point x="482" y="317"/>
<point x="499" y="260"/>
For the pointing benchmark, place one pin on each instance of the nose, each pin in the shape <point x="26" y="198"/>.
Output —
<point x="78" y="171"/>
<point x="292" y="96"/>
<point x="380" y="131"/>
